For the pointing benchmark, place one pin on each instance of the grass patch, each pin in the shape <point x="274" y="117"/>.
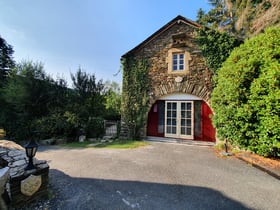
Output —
<point x="77" y="144"/>
<point x="122" y="144"/>
<point x="117" y="144"/>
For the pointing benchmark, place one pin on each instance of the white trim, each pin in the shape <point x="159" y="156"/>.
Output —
<point x="178" y="125"/>
<point x="180" y="96"/>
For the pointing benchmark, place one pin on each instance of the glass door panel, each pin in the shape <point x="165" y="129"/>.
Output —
<point x="186" y="119"/>
<point x="179" y="119"/>
<point x="171" y="115"/>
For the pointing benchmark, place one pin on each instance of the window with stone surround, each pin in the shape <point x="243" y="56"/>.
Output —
<point x="178" y="61"/>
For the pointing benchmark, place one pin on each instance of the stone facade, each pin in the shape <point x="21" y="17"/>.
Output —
<point x="179" y="35"/>
<point x="197" y="80"/>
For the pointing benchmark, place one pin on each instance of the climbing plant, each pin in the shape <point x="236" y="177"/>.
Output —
<point x="215" y="46"/>
<point x="135" y="94"/>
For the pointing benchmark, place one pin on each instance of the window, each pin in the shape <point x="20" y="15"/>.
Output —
<point x="178" y="62"/>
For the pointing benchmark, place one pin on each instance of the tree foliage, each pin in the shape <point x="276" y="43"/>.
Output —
<point x="113" y="100"/>
<point x="135" y="94"/>
<point x="28" y="95"/>
<point x="246" y="99"/>
<point x="216" y="46"/>
<point x="6" y="59"/>
<point x="241" y="18"/>
<point x="33" y="101"/>
<point x="88" y="95"/>
<point x="89" y="102"/>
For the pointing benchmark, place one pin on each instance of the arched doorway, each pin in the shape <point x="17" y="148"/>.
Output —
<point x="182" y="116"/>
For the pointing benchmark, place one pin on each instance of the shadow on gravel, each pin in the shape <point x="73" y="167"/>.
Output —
<point x="88" y="193"/>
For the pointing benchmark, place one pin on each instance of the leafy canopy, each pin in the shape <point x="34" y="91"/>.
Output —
<point x="241" y="18"/>
<point x="6" y="59"/>
<point x="246" y="99"/>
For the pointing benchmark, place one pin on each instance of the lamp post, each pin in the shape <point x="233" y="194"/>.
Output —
<point x="31" y="149"/>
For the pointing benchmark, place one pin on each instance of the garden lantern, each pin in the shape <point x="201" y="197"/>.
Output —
<point x="31" y="149"/>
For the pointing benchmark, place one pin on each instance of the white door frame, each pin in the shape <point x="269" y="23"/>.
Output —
<point x="179" y="123"/>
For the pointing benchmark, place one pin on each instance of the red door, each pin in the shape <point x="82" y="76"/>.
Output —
<point x="152" y="125"/>
<point x="208" y="131"/>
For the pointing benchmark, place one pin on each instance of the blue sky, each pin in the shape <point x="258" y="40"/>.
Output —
<point x="66" y="34"/>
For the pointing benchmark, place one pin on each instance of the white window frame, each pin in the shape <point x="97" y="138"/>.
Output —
<point x="178" y="62"/>
<point x="185" y="61"/>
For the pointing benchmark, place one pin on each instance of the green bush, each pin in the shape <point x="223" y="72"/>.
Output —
<point x="246" y="100"/>
<point x="57" y="125"/>
<point x="95" y="127"/>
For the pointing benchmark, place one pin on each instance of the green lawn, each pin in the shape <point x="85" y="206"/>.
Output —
<point x="117" y="144"/>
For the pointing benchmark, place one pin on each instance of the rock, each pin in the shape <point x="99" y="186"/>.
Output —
<point x="4" y="174"/>
<point x="82" y="138"/>
<point x="10" y="145"/>
<point x="17" y="163"/>
<point x="47" y="142"/>
<point x="14" y="153"/>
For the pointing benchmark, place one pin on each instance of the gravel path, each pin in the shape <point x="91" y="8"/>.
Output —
<point x="157" y="176"/>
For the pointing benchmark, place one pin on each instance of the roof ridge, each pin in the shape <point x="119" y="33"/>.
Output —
<point x="164" y="28"/>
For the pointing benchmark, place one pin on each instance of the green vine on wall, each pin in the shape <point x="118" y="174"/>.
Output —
<point x="135" y="94"/>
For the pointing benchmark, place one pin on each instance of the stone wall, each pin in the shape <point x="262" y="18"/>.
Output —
<point x="18" y="198"/>
<point x="179" y="35"/>
<point x="197" y="81"/>
<point x="23" y="186"/>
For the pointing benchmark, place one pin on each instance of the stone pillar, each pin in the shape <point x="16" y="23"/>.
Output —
<point x="4" y="175"/>
<point x="24" y="186"/>
<point x="30" y="186"/>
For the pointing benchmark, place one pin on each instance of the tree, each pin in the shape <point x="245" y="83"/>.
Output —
<point x="88" y="102"/>
<point x="6" y="59"/>
<point x="241" y="18"/>
<point x="6" y="64"/>
<point x="25" y="98"/>
<point x="113" y="100"/>
<point x="30" y="95"/>
<point x="89" y="96"/>
<point x="246" y="100"/>
<point x="221" y="16"/>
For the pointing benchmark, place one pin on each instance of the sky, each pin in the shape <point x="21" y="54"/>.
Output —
<point x="67" y="34"/>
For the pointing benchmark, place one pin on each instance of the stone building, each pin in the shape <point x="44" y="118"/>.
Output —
<point x="180" y="83"/>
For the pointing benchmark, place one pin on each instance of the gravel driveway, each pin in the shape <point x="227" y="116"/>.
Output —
<point x="157" y="176"/>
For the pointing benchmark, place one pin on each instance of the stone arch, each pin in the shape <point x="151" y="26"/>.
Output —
<point x="185" y="87"/>
<point x="179" y="87"/>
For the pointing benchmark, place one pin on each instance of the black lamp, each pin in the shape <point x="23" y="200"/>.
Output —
<point x="31" y="149"/>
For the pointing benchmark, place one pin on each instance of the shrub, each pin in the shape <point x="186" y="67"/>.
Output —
<point x="95" y="127"/>
<point x="246" y="99"/>
<point x="57" y="125"/>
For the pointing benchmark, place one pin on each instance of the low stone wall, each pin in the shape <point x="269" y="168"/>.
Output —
<point x="18" y="198"/>
<point x="23" y="186"/>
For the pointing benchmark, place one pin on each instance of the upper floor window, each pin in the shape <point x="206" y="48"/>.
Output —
<point x="178" y="62"/>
